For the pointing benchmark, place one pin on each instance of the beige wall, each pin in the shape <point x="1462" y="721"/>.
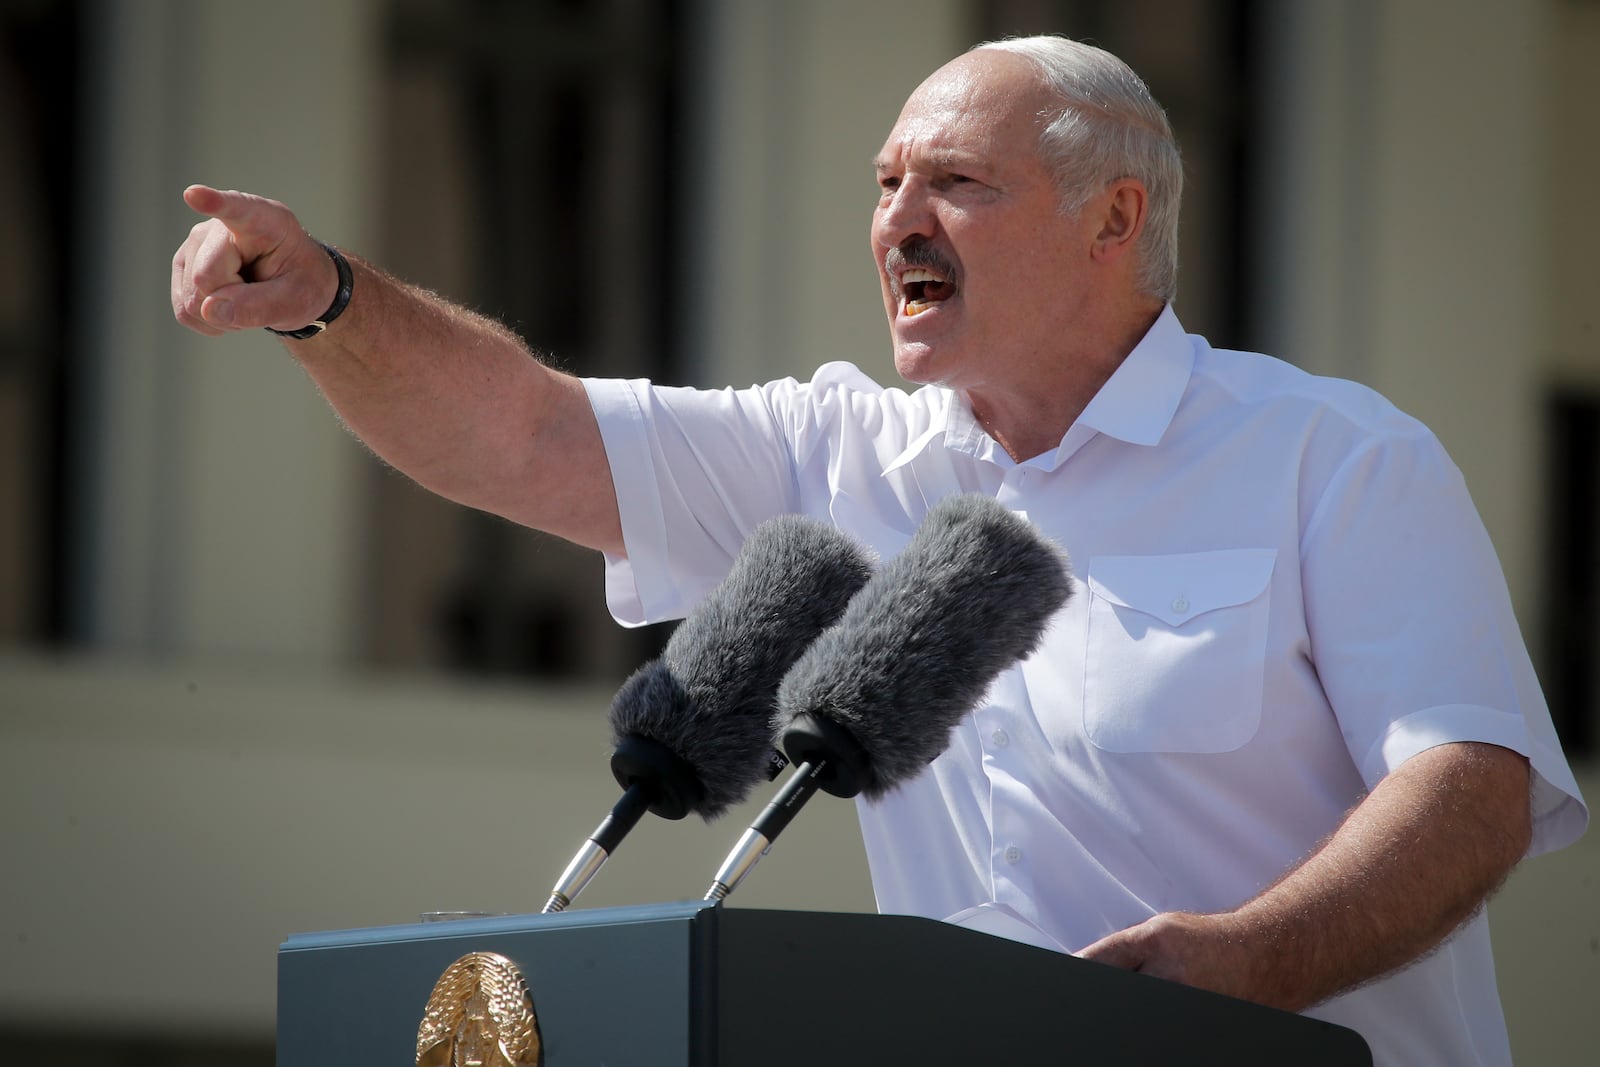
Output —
<point x="167" y="827"/>
<point x="1569" y="229"/>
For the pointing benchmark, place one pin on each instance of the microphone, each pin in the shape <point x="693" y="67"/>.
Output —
<point x="874" y="699"/>
<point x="693" y="729"/>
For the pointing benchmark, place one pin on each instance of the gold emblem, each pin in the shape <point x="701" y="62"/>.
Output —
<point x="479" y="1015"/>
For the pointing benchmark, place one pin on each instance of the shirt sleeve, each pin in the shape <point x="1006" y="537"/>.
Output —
<point x="695" y="471"/>
<point x="1412" y="630"/>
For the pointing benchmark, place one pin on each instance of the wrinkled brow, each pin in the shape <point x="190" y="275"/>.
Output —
<point x="940" y="161"/>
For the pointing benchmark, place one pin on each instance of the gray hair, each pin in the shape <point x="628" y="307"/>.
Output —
<point x="1109" y="127"/>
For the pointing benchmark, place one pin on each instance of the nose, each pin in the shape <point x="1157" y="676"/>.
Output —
<point x="903" y="213"/>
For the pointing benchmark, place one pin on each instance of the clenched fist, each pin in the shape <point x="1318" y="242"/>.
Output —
<point x="249" y="265"/>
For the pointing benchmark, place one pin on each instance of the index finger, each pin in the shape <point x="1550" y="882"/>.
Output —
<point x="245" y="214"/>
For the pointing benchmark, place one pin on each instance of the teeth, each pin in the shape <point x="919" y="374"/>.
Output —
<point x="917" y="274"/>
<point x="917" y="307"/>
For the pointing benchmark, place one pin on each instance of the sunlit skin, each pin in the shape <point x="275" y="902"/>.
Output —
<point x="1041" y="307"/>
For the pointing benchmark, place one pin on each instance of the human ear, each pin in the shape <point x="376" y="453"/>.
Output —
<point x="1125" y="205"/>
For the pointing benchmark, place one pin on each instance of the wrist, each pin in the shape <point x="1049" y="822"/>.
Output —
<point x="341" y="299"/>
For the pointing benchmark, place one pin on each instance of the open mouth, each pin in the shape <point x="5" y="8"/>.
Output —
<point x="923" y="288"/>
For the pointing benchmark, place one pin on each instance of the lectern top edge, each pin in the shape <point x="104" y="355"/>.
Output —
<point x="494" y="924"/>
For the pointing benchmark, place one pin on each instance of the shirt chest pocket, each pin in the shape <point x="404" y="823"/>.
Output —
<point x="1176" y="650"/>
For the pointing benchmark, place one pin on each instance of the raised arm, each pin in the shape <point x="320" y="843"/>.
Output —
<point x="447" y="396"/>
<point x="1414" y="860"/>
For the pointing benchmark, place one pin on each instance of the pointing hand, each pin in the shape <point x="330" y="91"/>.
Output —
<point x="249" y="265"/>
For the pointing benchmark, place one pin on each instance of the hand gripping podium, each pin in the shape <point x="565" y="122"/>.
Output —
<point x="696" y="984"/>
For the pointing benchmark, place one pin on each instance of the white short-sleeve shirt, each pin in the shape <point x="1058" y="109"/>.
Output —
<point x="1281" y="592"/>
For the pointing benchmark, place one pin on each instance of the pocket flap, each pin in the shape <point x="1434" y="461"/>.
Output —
<point x="1177" y="588"/>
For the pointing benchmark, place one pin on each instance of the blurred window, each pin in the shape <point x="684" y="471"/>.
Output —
<point x="39" y="51"/>
<point x="531" y="168"/>
<point x="1570" y="672"/>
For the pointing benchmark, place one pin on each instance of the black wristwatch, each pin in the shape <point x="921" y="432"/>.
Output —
<point x="341" y="300"/>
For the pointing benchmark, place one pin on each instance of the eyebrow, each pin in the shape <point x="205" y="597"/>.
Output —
<point x="941" y="161"/>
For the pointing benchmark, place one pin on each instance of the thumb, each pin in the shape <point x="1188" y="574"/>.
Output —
<point x="1121" y="949"/>
<point x="280" y="303"/>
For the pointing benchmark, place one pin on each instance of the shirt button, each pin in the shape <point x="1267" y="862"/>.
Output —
<point x="1000" y="738"/>
<point x="1181" y="604"/>
<point x="1013" y="854"/>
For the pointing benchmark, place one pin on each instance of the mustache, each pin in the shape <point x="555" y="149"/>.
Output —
<point x="917" y="252"/>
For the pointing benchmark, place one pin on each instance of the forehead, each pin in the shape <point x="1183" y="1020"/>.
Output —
<point x="985" y="107"/>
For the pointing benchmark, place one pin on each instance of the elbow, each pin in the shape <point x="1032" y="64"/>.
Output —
<point x="1513" y="808"/>
<point x="1519" y="835"/>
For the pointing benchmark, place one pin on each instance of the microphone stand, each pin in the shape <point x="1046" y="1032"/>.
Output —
<point x="827" y="757"/>
<point x="766" y="827"/>
<point x="654" y="778"/>
<point x="625" y="815"/>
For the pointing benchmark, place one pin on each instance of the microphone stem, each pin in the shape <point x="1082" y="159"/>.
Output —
<point x="625" y="815"/>
<point x="765" y="829"/>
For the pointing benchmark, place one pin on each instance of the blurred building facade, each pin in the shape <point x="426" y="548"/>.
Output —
<point x="252" y="682"/>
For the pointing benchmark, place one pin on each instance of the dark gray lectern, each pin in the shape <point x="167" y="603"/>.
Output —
<point x="699" y="985"/>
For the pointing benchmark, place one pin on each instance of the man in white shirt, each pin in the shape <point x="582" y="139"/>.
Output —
<point x="1286" y="739"/>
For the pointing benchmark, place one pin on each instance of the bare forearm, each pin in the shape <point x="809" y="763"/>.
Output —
<point x="458" y="402"/>
<point x="1410" y="864"/>
<point x="1413" y="861"/>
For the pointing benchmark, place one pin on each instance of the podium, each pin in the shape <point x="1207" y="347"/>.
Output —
<point x="696" y="984"/>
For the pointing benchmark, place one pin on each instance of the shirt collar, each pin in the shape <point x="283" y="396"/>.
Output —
<point x="1140" y="398"/>
<point x="1135" y="405"/>
<point x="937" y="428"/>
